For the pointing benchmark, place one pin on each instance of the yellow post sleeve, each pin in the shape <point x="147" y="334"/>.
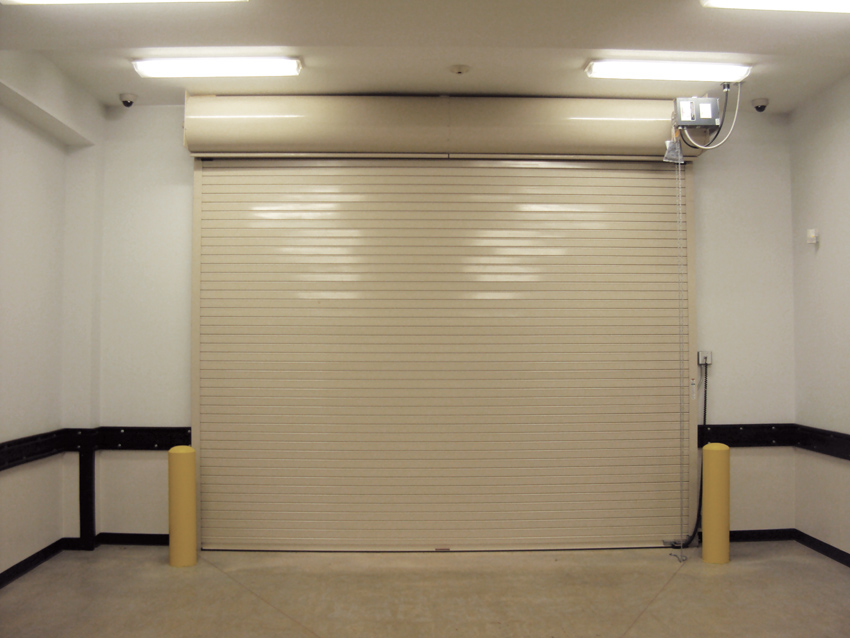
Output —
<point x="182" y="516"/>
<point x="715" y="503"/>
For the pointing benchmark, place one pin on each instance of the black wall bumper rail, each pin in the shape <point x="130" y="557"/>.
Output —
<point x="86" y="442"/>
<point x="826" y="442"/>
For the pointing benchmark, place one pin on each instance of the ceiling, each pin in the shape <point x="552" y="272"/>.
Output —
<point x="513" y="47"/>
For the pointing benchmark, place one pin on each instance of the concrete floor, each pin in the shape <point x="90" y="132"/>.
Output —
<point x="769" y="589"/>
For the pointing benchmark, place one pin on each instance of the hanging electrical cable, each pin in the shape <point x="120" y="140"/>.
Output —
<point x="683" y="353"/>
<point x="686" y="136"/>
<point x="726" y="89"/>
<point x="687" y="542"/>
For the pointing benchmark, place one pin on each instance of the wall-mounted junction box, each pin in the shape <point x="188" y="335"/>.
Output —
<point x="697" y="111"/>
<point x="704" y="357"/>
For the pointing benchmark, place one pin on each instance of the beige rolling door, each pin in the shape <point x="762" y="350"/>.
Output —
<point x="426" y="354"/>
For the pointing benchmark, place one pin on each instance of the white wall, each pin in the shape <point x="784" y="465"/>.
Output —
<point x="31" y="500"/>
<point x="145" y="313"/>
<point x="745" y="306"/>
<point x="81" y="287"/>
<point x="145" y="309"/>
<point x="820" y="146"/>
<point x="821" y="159"/>
<point x="49" y="199"/>
<point x="763" y="488"/>
<point x="132" y="492"/>
<point x="823" y="498"/>
<point x="32" y="204"/>
<point x="32" y="183"/>
<point x="744" y="286"/>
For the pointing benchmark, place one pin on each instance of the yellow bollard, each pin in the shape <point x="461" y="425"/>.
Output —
<point x="182" y="514"/>
<point x="715" y="503"/>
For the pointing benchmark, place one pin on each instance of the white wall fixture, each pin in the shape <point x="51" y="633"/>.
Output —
<point x="667" y="70"/>
<point x="219" y="67"/>
<point x="824" y="6"/>
<point x="812" y="236"/>
<point x="107" y="1"/>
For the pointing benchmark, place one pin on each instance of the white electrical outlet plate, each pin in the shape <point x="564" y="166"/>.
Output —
<point x="704" y="357"/>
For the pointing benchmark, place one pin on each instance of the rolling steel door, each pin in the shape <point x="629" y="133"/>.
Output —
<point x="441" y="354"/>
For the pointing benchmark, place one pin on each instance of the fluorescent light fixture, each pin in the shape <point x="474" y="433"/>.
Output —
<point x="666" y="70"/>
<point x="217" y="67"/>
<point x="106" y="1"/>
<point x="824" y="6"/>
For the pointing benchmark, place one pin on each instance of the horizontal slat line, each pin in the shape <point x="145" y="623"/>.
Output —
<point x="423" y="192"/>
<point x="231" y="422"/>
<point x="351" y="443"/>
<point x="230" y="386"/>
<point x="249" y="513"/>
<point x="305" y="223"/>
<point x="455" y="290"/>
<point x="336" y="496"/>
<point x="406" y="354"/>
<point x="370" y="440"/>
<point x="237" y="503"/>
<point x="530" y="466"/>
<point x="433" y="212"/>
<point x="660" y="246"/>
<point x="561" y="369"/>
<point x="310" y="261"/>
<point x="422" y="405"/>
<point x="556" y="343"/>
<point x="587" y="541"/>
<point x="447" y="454"/>
<point x="465" y="183"/>
<point x="273" y="261"/>
<point x="420" y="528"/>
<point x="586" y="181"/>
<point x="216" y="233"/>
<point x="661" y="474"/>
<point x="211" y="395"/>
<point x="616" y="334"/>
<point x="317" y="437"/>
<point x="478" y="275"/>
<point x="508" y="529"/>
<point x="418" y="444"/>
<point x="435" y="191"/>
<point x="295" y="318"/>
<point x="237" y="514"/>
<point x="239" y="498"/>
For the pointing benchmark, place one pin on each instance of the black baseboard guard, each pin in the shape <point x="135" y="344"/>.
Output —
<point x="72" y="544"/>
<point x="835" y="444"/>
<point x="826" y="549"/>
<point x="29" y="564"/>
<point x="114" y="538"/>
<point x="758" y="535"/>
<point x="791" y="534"/>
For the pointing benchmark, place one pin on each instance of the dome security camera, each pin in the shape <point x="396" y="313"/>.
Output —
<point x="760" y="104"/>
<point x="127" y="99"/>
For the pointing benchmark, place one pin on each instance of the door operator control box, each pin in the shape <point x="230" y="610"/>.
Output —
<point x="697" y="111"/>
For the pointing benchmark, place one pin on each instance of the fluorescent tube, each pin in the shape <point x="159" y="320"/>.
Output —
<point x="824" y="6"/>
<point x="105" y="1"/>
<point x="216" y="67"/>
<point x="666" y="70"/>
